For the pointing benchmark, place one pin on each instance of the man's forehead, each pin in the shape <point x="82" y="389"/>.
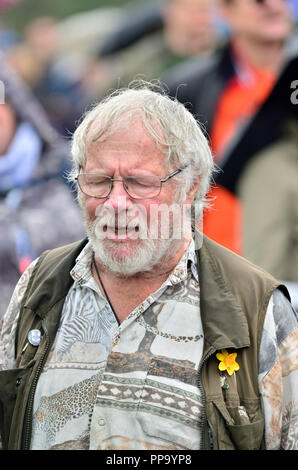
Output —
<point x="131" y="146"/>
<point x="123" y="146"/>
<point x="131" y="141"/>
<point x="123" y="132"/>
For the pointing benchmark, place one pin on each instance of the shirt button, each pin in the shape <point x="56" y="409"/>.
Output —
<point x="101" y="422"/>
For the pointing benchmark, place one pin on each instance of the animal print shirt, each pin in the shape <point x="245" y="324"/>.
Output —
<point x="134" y="385"/>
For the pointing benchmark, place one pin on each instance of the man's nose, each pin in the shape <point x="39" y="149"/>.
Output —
<point x="118" y="197"/>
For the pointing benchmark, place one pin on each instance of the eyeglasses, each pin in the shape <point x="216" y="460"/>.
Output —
<point x="137" y="187"/>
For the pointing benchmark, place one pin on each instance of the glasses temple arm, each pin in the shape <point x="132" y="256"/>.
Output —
<point x="174" y="174"/>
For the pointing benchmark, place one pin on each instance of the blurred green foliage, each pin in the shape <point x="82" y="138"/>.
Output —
<point x="28" y="10"/>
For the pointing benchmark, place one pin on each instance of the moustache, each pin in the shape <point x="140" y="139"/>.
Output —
<point x="110" y="224"/>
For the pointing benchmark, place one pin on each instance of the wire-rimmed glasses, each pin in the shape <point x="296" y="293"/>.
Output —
<point x="137" y="187"/>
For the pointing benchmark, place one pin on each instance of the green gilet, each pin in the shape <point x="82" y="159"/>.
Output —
<point x="234" y="296"/>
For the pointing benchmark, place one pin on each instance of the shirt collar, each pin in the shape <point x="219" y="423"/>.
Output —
<point x="82" y="268"/>
<point x="188" y="259"/>
<point x="81" y="271"/>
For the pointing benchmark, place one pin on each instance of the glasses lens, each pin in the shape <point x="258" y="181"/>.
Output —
<point x="142" y="187"/>
<point x="94" y="185"/>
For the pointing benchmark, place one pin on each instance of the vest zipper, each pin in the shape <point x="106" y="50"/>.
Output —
<point x="27" y="426"/>
<point x="205" y="431"/>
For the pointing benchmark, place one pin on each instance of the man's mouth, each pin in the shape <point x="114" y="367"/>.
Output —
<point x="120" y="233"/>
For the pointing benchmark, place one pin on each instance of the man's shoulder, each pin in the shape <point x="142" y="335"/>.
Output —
<point x="239" y="272"/>
<point x="223" y="254"/>
<point x="64" y="250"/>
<point x="50" y="279"/>
<point x="58" y="260"/>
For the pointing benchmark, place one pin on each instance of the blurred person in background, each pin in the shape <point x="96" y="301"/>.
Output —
<point x="37" y="208"/>
<point x="158" y="35"/>
<point x="142" y="39"/>
<point x="268" y="191"/>
<point x="34" y="59"/>
<point x="242" y="96"/>
<point x="190" y="27"/>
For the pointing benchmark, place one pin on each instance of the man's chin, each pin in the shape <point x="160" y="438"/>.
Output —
<point x="129" y="258"/>
<point x="120" y="250"/>
<point x="123" y="259"/>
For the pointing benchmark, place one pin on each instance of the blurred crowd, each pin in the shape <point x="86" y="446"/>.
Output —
<point x="234" y="63"/>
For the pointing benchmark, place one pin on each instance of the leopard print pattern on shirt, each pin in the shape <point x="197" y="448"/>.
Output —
<point x="68" y="404"/>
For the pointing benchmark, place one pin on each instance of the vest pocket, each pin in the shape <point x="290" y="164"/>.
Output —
<point x="247" y="436"/>
<point x="243" y="426"/>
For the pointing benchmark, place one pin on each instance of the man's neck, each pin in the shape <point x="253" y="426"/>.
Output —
<point x="260" y="54"/>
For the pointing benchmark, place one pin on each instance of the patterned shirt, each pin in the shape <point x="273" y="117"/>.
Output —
<point x="134" y="385"/>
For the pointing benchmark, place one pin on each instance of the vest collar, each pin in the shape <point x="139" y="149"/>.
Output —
<point x="45" y="291"/>
<point x="224" y="322"/>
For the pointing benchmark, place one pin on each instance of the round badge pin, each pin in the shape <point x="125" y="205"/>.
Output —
<point x="34" y="337"/>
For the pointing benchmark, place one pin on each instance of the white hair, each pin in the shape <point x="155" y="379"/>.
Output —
<point x="168" y="122"/>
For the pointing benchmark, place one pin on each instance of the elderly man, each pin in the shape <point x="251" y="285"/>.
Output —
<point x="146" y="335"/>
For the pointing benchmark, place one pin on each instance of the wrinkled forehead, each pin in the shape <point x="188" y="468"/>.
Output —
<point x="131" y="122"/>
<point x="126" y="136"/>
<point x="126" y="155"/>
<point x="116" y="147"/>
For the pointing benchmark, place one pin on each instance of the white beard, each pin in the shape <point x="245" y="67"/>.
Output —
<point x="145" y="256"/>
<point x="141" y="254"/>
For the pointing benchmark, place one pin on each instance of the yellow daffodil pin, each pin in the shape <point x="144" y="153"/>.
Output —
<point x="227" y="362"/>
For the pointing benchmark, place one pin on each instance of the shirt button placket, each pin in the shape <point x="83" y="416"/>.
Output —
<point x="101" y="421"/>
